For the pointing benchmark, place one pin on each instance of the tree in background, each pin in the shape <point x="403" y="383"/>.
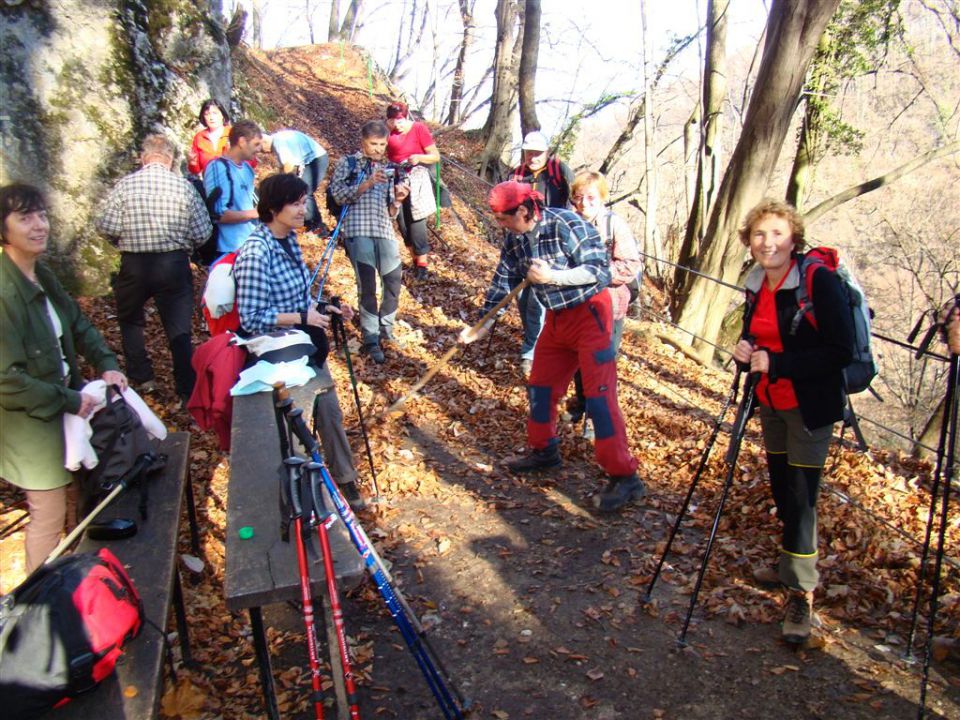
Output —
<point x="347" y="29"/>
<point x="498" y="130"/>
<point x="527" y="75"/>
<point x="794" y="28"/>
<point x="455" y="114"/>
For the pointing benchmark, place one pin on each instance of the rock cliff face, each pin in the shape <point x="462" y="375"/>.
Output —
<point x="81" y="83"/>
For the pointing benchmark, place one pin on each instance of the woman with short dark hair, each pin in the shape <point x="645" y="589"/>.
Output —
<point x="43" y="331"/>
<point x="273" y="292"/>
<point x="212" y="140"/>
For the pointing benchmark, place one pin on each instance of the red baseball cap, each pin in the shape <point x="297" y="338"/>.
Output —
<point x="508" y="196"/>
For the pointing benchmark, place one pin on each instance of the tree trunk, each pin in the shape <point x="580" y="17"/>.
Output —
<point x="809" y="142"/>
<point x="333" y="24"/>
<point x="528" y="67"/>
<point x="497" y="131"/>
<point x="651" y="234"/>
<point x="348" y="30"/>
<point x="308" y="10"/>
<point x="708" y="159"/>
<point x="456" y="90"/>
<point x="256" y="12"/>
<point x="793" y="29"/>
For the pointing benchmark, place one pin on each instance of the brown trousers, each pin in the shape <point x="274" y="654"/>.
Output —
<point x="51" y="511"/>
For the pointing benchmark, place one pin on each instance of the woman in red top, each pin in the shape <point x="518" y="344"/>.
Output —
<point x="800" y="390"/>
<point x="209" y="143"/>
<point x="411" y="143"/>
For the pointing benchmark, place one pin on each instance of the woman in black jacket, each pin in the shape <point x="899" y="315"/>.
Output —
<point x="800" y="389"/>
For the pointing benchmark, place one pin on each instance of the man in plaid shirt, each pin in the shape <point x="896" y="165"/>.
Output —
<point x="565" y="262"/>
<point x="156" y="218"/>
<point x="372" y="197"/>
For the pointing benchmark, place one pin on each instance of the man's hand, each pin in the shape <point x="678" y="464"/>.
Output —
<point x="115" y="377"/>
<point x="344" y="311"/>
<point x="469" y="335"/>
<point x="539" y="272"/>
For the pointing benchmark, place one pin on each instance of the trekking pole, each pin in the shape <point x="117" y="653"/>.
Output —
<point x="736" y="438"/>
<point x="493" y="329"/>
<point x="340" y="334"/>
<point x="950" y="411"/>
<point x="441" y="363"/>
<point x="693" y="485"/>
<point x="937" y="475"/>
<point x="322" y="518"/>
<point x="294" y="480"/>
<point x="437" y="678"/>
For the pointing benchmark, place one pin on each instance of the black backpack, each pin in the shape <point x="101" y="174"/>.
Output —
<point x="124" y="451"/>
<point x="207" y="253"/>
<point x="62" y="631"/>
<point x="333" y="207"/>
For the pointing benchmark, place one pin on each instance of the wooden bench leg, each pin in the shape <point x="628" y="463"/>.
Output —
<point x="180" y="612"/>
<point x="192" y="516"/>
<point x="263" y="661"/>
<point x="336" y="668"/>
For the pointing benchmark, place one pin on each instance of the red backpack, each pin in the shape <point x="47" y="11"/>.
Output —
<point x="62" y="631"/>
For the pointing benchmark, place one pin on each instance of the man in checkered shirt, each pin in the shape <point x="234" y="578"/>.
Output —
<point x="156" y="218"/>
<point x="362" y="184"/>
<point x="565" y="262"/>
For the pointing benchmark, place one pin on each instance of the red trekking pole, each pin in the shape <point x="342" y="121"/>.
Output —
<point x="322" y="518"/>
<point x="293" y="485"/>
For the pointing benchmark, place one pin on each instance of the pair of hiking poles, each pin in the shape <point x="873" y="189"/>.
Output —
<point x="291" y="424"/>
<point x="733" y="451"/>
<point x="943" y="475"/>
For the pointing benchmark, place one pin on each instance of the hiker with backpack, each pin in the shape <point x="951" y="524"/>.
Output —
<point x="551" y="177"/>
<point x="303" y="156"/>
<point x="800" y="361"/>
<point x="410" y="143"/>
<point x="156" y="219"/>
<point x="273" y="293"/>
<point x="229" y="184"/>
<point x="372" y="197"/>
<point x="40" y="380"/>
<point x="589" y="194"/>
<point x="563" y="258"/>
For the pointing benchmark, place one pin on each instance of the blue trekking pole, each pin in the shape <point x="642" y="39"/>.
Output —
<point x="436" y="676"/>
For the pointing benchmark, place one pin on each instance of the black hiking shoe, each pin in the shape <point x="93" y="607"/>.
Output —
<point x="619" y="491"/>
<point x="375" y="352"/>
<point x="536" y="460"/>
<point x="352" y="495"/>
<point x="421" y="273"/>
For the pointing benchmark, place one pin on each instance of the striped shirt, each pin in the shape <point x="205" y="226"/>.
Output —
<point x="370" y="213"/>
<point x="565" y="241"/>
<point x="269" y="280"/>
<point x="154" y="210"/>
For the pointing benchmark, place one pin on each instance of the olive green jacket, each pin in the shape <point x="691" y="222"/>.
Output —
<point x="34" y="394"/>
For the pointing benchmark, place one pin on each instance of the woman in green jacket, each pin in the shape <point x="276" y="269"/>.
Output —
<point x="42" y="329"/>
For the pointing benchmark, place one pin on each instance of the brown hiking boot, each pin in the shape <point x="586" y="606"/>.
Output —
<point x="766" y="577"/>
<point x="797" y="622"/>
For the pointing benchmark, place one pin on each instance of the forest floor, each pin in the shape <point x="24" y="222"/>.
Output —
<point x="533" y="600"/>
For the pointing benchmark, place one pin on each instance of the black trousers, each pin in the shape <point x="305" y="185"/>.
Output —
<point x="414" y="231"/>
<point x="166" y="277"/>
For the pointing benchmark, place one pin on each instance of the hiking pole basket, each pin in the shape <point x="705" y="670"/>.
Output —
<point x="693" y="484"/>
<point x="733" y="451"/>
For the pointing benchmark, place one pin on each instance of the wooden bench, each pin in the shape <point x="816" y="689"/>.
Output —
<point x="263" y="569"/>
<point x="150" y="557"/>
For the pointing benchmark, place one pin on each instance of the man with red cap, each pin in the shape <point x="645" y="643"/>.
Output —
<point x="565" y="262"/>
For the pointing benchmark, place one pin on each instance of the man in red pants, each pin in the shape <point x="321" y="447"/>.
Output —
<point x="565" y="262"/>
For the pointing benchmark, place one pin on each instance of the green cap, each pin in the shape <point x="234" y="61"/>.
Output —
<point x="246" y="532"/>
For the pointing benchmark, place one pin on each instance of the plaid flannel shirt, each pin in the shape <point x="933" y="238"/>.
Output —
<point x="154" y="210"/>
<point x="370" y="213"/>
<point x="269" y="281"/>
<point x="564" y="240"/>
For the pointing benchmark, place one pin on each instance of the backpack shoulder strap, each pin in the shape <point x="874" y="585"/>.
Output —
<point x="226" y="168"/>
<point x="807" y="265"/>
<point x="553" y="170"/>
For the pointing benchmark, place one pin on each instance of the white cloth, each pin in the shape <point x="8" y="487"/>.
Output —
<point x="220" y="293"/>
<point x="77" y="431"/>
<point x="264" y="375"/>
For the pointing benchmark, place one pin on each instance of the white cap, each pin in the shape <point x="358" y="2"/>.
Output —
<point x="536" y="141"/>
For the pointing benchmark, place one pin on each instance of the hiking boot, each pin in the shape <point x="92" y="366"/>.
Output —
<point x="536" y="459"/>
<point x="797" y="621"/>
<point x="575" y="410"/>
<point x="375" y="352"/>
<point x="588" y="432"/>
<point x="352" y="495"/>
<point x="619" y="491"/>
<point x="766" y="577"/>
<point x="526" y="365"/>
<point x="421" y="273"/>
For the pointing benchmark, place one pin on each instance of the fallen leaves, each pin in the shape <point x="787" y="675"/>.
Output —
<point x="184" y="700"/>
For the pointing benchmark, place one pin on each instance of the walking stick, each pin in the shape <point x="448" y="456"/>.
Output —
<point x="736" y="438"/>
<point x="693" y="485"/>
<point x="445" y="358"/>
<point x="435" y="674"/>
<point x="340" y="338"/>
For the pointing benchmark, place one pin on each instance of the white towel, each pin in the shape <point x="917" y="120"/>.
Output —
<point x="77" y="431"/>
<point x="262" y="376"/>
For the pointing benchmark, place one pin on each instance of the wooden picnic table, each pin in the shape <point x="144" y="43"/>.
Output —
<point x="262" y="570"/>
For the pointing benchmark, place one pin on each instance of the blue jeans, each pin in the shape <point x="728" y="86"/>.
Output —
<point x="531" y="317"/>
<point x="312" y="173"/>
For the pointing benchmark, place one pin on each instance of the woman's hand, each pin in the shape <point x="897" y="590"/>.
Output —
<point x="115" y="377"/>
<point x="757" y="358"/>
<point x="87" y="404"/>
<point x="741" y="353"/>
<point x="403" y="192"/>
<point x="317" y="319"/>
<point x="344" y="311"/>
